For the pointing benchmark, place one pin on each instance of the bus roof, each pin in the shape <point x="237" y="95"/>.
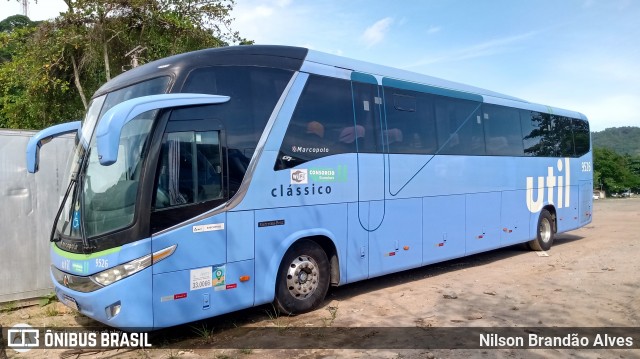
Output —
<point x="488" y="96"/>
<point x="292" y="58"/>
<point x="404" y="75"/>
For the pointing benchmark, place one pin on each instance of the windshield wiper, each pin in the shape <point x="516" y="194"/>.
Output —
<point x="56" y="236"/>
<point x="54" y="230"/>
<point x="85" y="242"/>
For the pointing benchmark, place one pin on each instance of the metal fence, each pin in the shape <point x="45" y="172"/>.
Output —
<point x="28" y="205"/>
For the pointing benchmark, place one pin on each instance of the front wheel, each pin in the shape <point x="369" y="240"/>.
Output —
<point x="303" y="278"/>
<point x="545" y="232"/>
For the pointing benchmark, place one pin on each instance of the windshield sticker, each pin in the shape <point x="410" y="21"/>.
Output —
<point x="218" y="278"/>
<point x="299" y="176"/>
<point x="200" y="278"/>
<point x="208" y="227"/>
<point x="76" y="216"/>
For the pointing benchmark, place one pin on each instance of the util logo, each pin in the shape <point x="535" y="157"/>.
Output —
<point x="550" y="183"/>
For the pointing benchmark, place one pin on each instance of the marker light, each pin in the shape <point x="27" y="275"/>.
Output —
<point x="118" y="272"/>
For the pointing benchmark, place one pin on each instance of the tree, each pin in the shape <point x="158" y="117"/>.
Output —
<point x="614" y="171"/>
<point x="34" y="89"/>
<point x="16" y="22"/>
<point x="53" y="69"/>
<point x="620" y="139"/>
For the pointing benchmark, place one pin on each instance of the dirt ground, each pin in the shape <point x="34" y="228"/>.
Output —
<point x="589" y="279"/>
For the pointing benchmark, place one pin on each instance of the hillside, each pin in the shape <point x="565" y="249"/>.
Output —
<point x="622" y="140"/>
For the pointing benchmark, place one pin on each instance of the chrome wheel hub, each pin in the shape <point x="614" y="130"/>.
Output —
<point x="302" y="277"/>
<point x="545" y="230"/>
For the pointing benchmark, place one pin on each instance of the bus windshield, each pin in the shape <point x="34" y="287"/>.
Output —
<point x="101" y="199"/>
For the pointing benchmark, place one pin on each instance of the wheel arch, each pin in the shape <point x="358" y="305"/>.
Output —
<point x="552" y="210"/>
<point x="330" y="249"/>
<point x="265" y="287"/>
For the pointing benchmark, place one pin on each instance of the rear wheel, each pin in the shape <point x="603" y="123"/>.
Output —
<point x="303" y="278"/>
<point x="545" y="232"/>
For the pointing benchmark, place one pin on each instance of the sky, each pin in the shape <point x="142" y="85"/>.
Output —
<point x="581" y="55"/>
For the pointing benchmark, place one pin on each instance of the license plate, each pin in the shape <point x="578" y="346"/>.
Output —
<point x="70" y="302"/>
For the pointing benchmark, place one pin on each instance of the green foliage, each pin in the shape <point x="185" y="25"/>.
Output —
<point x="623" y="140"/>
<point x="47" y="299"/>
<point x="51" y="311"/>
<point x="15" y="22"/>
<point x="615" y="172"/>
<point x="9" y="307"/>
<point x="48" y="71"/>
<point x="203" y="331"/>
<point x="616" y="159"/>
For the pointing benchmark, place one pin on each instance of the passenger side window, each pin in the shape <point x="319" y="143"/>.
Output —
<point x="503" y="135"/>
<point x="367" y="105"/>
<point x="411" y="125"/>
<point x="581" y="136"/>
<point x="322" y="123"/>
<point x="546" y="135"/>
<point x="562" y="136"/>
<point x="190" y="169"/>
<point x="536" y="127"/>
<point x="460" y="130"/>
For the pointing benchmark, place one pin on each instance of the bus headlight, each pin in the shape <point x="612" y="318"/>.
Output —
<point x="121" y="271"/>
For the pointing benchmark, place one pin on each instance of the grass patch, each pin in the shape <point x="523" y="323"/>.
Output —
<point x="203" y="331"/>
<point x="48" y="299"/>
<point x="51" y="311"/>
<point x="9" y="307"/>
<point x="333" y="312"/>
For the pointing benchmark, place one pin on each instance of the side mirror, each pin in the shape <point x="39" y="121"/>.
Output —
<point x="110" y="125"/>
<point x="44" y="136"/>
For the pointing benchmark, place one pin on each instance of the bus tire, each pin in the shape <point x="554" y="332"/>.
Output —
<point x="544" y="233"/>
<point x="303" y="278"/>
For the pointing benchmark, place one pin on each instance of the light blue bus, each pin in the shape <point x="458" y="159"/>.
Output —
<point x="221" y="179"/>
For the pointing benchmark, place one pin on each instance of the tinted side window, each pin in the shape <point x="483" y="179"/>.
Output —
<point x="322" y="123"/>
<point x="254" y="92"/>
<point x="460" y="130"/>
<point x="411" y="125"/>
<point x="190" y="169"/>
<point x="151" y="87"/>
<point x="581" y="136"/>
<point x="562" y="136"/>
<point x="536" y="128"/>
<point x="502" y="131"/>
<point x="367" y="105"/>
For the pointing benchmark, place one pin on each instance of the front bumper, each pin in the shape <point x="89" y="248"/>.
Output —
<point x="132" y="294"/>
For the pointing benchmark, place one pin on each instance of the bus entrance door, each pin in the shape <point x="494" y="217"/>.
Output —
<point x="367" y="214"/>
<point x="371" y="160"/>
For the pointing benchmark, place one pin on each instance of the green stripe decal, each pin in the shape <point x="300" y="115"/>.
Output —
<point x="412" y="86"/>
<point x="83" y="257"/>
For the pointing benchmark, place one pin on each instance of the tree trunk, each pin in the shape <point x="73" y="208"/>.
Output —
<point x="76" y="80"/>
<point x="107" y="68"/>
